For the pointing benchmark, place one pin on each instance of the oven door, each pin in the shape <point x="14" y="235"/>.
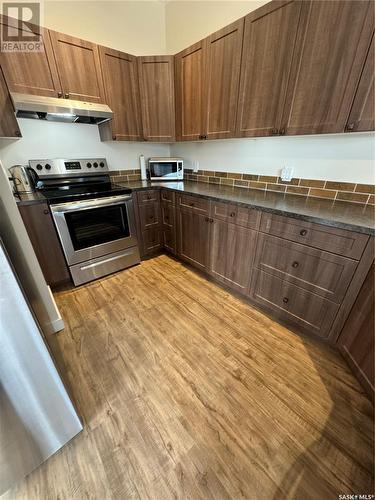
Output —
<point x="93" y="228"/>
<point x="165" y="170"/>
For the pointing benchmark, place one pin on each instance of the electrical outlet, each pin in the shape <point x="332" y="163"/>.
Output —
<point x="287" y="174"/>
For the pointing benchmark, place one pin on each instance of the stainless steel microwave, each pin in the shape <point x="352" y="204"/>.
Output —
<point x="165" y="169"/>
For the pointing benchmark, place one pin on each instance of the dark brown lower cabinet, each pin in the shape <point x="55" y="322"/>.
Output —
<point x="42" y="233"/>
<point x="194" y="238"/>
<point x="168" y="231"/>
<point x="232" y="250"/>
<point x="356" y="341"/>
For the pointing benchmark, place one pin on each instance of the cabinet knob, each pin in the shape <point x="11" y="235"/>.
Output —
<point x="211" y="221"/>
<point x="17" y="133"/>
<point x="192" y="204"/>
<point x="285" y="300"/>
<point x="46" y="211"/>
<point x="59" y="94"/>
<point x="275" y="131"/>
<point x="295" y="264"/>
<point x="282" y="131"/>
<point x="232" y="214"/>
<point x="303" y="232"/>
<point x="67" y="96"/>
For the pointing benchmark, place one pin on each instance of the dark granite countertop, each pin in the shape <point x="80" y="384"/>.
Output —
<point x="353" y="216"/>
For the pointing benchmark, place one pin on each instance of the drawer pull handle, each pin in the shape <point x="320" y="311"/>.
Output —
<point x="295" y="264"/>
<point x="45" y="211"/>
<point x="285" y="300"/>
<point x="232" y="214"/>
<point x="303" y="232"/>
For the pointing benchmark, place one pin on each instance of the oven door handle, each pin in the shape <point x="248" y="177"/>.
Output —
<point x="87" y="204"/>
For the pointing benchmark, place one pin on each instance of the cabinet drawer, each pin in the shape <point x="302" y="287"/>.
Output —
<point x="236" y="214"/>
<point x="151" y="240"/>
<point x="293" y="304"/>
<point x="149" y="215"/>
<point x="147" y="196"/>
<point x="323" y="273"/>
<point x="195" y="203"/>
<point x="333" y="240"/>
<point x="167" y="195"/>
<point x="169" y="239"/>
<point x="167" y="214"/>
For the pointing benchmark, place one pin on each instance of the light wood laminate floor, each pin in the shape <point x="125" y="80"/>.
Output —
<point x="188" y="392"/>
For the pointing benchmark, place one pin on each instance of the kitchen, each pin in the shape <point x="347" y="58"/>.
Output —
<point x="191" y="236"/>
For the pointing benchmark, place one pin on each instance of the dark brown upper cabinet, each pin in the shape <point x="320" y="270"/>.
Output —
<point x="8" y="123"/>
<point x="31" y="72"/>
<point x="362" y="114"/>
<point x="223" y="75"/>
<point x="121" y="87"/>
<point x="156" y="84"/>
<point x="269" y="38"/>
<point x="190" y="67"/>
<point x="78" y="66"/>
<point x="331" y="46"/>
<point x="207" y="80"/>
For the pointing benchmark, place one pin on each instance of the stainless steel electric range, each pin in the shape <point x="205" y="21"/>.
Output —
<point x="94" y="218"/>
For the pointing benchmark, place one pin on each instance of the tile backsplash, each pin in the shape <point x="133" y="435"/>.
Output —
<point x="332" y="190"/>
<point x="343" y="191"/>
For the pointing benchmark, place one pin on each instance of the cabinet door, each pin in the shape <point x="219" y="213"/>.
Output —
<point x="331" y="46"/>
<point x="156" y="82"/>
<point x="78" y="66"/>
<point x="193" y="238"/>
<point x="357" y="338"/>
<point x="42" y="233"/>
<point x="269" y="39"/>
<point x="232" y="252"/>
<point x="31" y="72"/>
<point x="362" y="114"/>
<point x="190" y="67"/>
<point x="8" y="123"/>
<point x="120" y="76"/>
<point x="223" y="76"/>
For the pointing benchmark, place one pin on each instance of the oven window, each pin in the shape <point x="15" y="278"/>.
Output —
<point x="162" y="169"/>
<point x="95" y="226"/>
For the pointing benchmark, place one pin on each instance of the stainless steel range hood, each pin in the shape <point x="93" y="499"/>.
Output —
<point x="62" y="110"/>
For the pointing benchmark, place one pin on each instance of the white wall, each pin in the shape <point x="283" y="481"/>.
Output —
<point x="43" y="139"/>
<point x="345" y="157"/>
<point x="137" y="27"/>
<point x="188" y="22"/>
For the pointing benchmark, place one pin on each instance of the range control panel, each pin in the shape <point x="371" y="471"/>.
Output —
<point x="65" y="166"/>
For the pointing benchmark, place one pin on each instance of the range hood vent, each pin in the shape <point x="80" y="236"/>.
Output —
<point x="61" y="110"/>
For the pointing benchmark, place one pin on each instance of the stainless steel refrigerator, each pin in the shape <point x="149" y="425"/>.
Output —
<point x="36" y="415"/>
